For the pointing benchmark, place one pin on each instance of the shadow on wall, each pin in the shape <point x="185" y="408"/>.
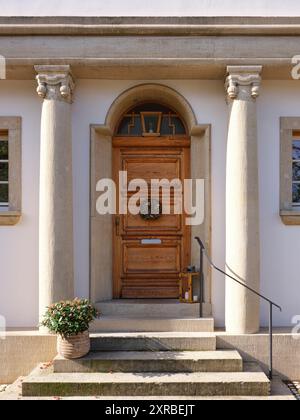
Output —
<point x="255" y="348"/>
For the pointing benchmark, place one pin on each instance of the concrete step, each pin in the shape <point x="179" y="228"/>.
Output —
<point x="168" y="341"/>
<point x="279" y="392"/>
<point x="148" y="308"/>
<point x="121" y="324"/>
<point x="44" y="383"/>
<point x="174" y="362"/>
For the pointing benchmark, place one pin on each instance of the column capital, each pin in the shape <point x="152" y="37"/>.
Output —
<point x="55" y="82"/>
<point x="243" y="82"/>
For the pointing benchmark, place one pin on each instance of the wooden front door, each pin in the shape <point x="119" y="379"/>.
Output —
<point x="150" y="254"/>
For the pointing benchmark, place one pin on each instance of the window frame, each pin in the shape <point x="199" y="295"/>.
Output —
<point x="4" y="139"/>
<point x="289" y="211"/>
<point x="11" y="214"/>
<point x="296" y="138"/>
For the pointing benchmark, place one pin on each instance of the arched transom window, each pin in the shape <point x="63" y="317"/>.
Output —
<point x="151" y="120"/>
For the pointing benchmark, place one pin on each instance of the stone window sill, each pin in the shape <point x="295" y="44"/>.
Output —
<point x="9" y="218"/>
<point x="290" y="218"/>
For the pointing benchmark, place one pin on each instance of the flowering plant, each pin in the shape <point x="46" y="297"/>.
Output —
<point x="69" y="318"/>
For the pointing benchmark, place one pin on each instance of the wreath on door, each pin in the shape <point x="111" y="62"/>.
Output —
<point x="151" y="210"/>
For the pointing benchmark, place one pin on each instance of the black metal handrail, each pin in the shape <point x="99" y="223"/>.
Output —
<point x="203" y="252"/>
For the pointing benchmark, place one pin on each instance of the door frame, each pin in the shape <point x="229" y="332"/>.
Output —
<point x="180" y="143"/>
<point x="101" y="135"/>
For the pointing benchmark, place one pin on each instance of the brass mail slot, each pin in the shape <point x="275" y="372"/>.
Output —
<point x="151" y="241"/>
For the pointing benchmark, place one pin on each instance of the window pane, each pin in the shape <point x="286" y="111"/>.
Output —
<point x="3" y="171"/>
<point x="296" y="150"/>
<point x="3" y="150"/>
<point x="171" y="123"/>
<point x="131" y="126"/>
<point x="296" y="171"/>
<point x="3" y="193"/>
<point x="180" y="128"/>
<point x="296" y="193"/>
<point x="172" y="126"/>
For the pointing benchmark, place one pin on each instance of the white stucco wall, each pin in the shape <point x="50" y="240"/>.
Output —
<point x="280" y="244"/>
<point x="19" y="245"/>
<point x="149" y="8"/>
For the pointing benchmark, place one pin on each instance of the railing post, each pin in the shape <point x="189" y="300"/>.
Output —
<point x="271" y="342"/>
<point x="201" y="279"/>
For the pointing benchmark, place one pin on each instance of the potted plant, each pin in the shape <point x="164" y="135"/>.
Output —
<point x="70" y="321"/>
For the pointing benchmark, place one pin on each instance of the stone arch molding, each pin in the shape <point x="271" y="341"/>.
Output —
<point x="101" y="227"/>
<point x="150" y="93"/>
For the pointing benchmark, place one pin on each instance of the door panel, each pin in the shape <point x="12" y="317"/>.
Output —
<point x="154" y="259"/>
<point x="167" y="223"/>
<point x="149" y="255"/>
<point x="153" y="168"/>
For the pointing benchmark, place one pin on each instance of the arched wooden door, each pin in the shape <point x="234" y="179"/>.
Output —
<point x="150" y="251"/>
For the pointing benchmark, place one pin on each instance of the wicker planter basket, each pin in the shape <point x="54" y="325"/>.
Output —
<point x="74" y="347"/>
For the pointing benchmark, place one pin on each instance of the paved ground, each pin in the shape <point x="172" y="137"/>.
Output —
<point x="280" y="391"/>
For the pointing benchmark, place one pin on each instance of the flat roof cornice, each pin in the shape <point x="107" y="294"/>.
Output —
<point x="151" y="26"/>
<point x="149" y="48"/>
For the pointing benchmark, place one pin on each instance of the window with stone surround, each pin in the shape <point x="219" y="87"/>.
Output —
<point x="290" y="171"/>
<point x="10" y="170"/>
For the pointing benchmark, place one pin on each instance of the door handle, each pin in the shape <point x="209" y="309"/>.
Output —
<point x="117" y="223"/>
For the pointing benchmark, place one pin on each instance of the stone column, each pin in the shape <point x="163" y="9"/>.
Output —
<point x="242" y="200"/>
<point x="55" y="86"/>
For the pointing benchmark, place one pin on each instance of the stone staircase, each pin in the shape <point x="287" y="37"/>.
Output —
<point x="150" y="316"/>
<point x="183" y="364"/>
